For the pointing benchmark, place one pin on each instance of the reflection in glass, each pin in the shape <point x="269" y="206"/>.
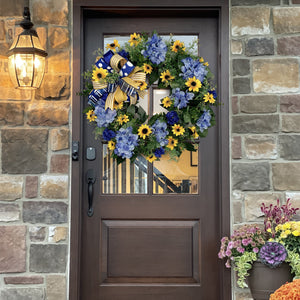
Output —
<point x="125" y="178"/>
<point x="159" y="94"/>
<point x="180" y="176"/>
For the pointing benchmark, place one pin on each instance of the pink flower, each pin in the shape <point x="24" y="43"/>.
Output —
<point x="245" y="242"/>
<point x="228" y="252"/>
<point x="240" y="249"/>
<point x="230" y="245"/>
<point x="255" y="250"/>
<point x="227" y="264"/>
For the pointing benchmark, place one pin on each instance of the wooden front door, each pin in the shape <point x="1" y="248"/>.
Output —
<point x="155" y="228"/>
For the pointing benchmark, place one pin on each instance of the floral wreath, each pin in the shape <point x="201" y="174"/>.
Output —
<point x="118" y="81"/>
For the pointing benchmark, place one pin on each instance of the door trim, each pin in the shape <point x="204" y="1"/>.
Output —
<point x="79" y="6"/>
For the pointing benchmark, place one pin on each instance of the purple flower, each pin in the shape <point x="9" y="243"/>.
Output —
<point x="181" y="99"/>
<point x="126" y="141"/>
<point x="192" y="68"/>
<point x="156" y="49"/>
<point x="108" y="134"/>
<point x="204" y="121"/>
<point x="159" y="152"/>
<point x="272" y="254"/>
<point x="104" y="116"/>
<point x="172" y="117"/>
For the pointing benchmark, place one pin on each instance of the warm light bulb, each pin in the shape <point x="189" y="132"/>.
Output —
<point x="19" y="61"/>
<point x="37" y="62"/>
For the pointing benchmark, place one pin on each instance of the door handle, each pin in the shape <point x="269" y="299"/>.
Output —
<point x="90" y="181"/>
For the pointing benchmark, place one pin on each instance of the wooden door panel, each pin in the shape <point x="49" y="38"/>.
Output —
<point x="157" y="251"/>
<point x="147" y="246"/>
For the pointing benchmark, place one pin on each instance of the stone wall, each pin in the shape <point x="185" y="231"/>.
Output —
<point x="265" y="116"/>
<point x="34" y="165"/>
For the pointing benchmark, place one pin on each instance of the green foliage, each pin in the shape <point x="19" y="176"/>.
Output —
<point x="242" y="266"/>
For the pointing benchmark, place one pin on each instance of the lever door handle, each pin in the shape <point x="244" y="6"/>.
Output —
<point x="90" y="181"/>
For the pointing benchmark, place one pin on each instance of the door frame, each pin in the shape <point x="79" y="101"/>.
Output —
<point x="220" y="6"/>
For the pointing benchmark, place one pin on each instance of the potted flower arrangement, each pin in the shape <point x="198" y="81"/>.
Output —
<point x="276" y="248"/>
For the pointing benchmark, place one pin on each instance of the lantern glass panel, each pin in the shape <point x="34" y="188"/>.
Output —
<point x="39" y="68"/>
<point x="24" y="41"/>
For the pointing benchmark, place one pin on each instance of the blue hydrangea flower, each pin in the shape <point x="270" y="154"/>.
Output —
<point x="181" y="99"/>
<point x="214" y="93"/>
<point x="156" y="49"/>
<point x="159" y="129"/>
<point x="126" y="141"/>
<point x="159" y="152"/>
<point x="104" y="116"/>
<point x="192" y="68"/>
<point x="172" y="117"/>
<point x="204" y="121"/>
<point x="108" y="134"/>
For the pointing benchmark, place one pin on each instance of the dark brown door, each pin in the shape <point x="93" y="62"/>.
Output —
<point x="155" y="230"/>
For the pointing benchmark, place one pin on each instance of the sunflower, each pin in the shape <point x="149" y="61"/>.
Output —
<point x="167" y="102"/>
<point x="118" y="105"/>
<point x="135" y="39"/>
<point x="144" y="131"/>
<point x="113" y="46"/>
<point x="91" y="116"/>
<point x="147" y="68"/>
<point x="177" y="46"/>
<point x="193" y="84"/>
<point x="122" y="119"/>
<point x="194" y="132"/>
<point x="166" y="76"/>
<point x="172" y="143"/>
<point x="151" y="158"/>
<point x="111" y="145"/>
<point x="143" y="85"/>
<point x="178" y="129"/>
<point x="209" y="98"/>
<point x="99" y="73"/>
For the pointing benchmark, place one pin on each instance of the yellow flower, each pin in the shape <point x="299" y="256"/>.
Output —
<point x="193" y="84"/>
<point x="209" y="98"/>
<point x="144" y="131"/>
<point x="111" y="145"/>
<point x="122" y="119"/>
<point x="172" y="143"/>
<point x="166" y="76"/>
<point x="296" y="233"/>
<point x="286" y="226"/>
<point x="143" y="85"/>
<point x="91" y="116"/>
<point x="288" y="232"/>
<point x="99" y="74"/>
<point x="177" y="46"/>
<point x="201" y="59"/>
<point x="269" y="230"/>
<point x="178" y="129"/>
<point x="118" y="105"/>
<point x="151" y="158"/>
<point x="206" y="64"/>
<point x="113" y="45"/>
<point x="194" y="132"/>
<point x="147" y="68"/>
<point x="166" y="102"/>
<point x="135" y="39"/>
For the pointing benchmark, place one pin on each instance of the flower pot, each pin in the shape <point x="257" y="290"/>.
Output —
<point x="263" y="281"/>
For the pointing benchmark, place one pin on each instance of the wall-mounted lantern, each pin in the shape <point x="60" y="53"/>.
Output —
<point x="26" y="57"/>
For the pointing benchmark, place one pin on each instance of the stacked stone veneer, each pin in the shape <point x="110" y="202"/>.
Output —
<point x="265" y="116"/>
<point x="34" y="165"/>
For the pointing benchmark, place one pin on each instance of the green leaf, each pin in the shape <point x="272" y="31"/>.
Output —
<point x="131" y="109"/>
<point x="153" y="77"/>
